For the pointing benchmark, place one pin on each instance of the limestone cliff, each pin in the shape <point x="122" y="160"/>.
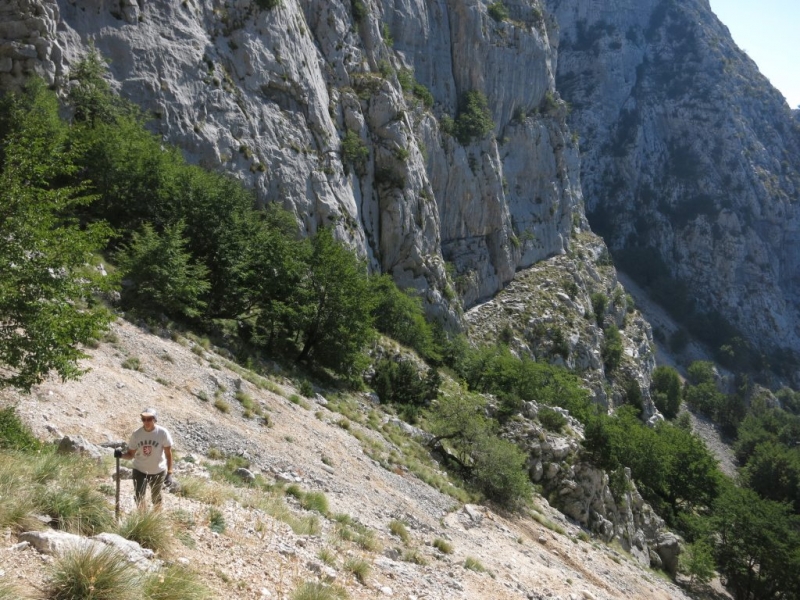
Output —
<point x="269" y="95"/>
<point x="689" y="151"/>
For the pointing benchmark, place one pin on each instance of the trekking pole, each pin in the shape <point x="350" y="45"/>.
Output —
<point x="116" y="502"/>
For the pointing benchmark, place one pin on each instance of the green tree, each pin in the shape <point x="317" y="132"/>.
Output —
<point x="46" y="283"/>
<point x="666" y="389"/>
<point x="705" y="398"/>
<point x="499" y="471"/>
<point x="161" y="276"/>
<point x="599" y="305"/>
<point x="334" y="319"/>
<point x="611" y="349"/>
<point x="399" y="315"/>
<point x="474" y="120"/>
<point x="697" y="561"/>
<point x="701" y="371"/>
<point x="757" y="545"/>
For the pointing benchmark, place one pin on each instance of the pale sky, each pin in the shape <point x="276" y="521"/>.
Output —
<point x="769" y="31"/>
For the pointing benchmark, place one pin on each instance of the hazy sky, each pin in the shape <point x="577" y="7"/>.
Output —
<point x="769" y="31"/>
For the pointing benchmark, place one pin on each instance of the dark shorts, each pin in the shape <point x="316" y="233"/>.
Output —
<point x="140" y="482"/>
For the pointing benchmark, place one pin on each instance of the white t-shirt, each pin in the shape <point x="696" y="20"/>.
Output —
<point x="149" y="447"/>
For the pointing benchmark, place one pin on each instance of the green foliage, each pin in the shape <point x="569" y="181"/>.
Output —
<point x="701" y="371"/>
<point x="355" y="151"/>
<point x="216" y="520"/>
<point x="499" y="471"/>
<point x="400" y="382"/>
<point x="14" y="434"/>
<point x="473" y="564"/>
<point x="474" y="119"/>
<point x="268" y="4"/>
<point x="160" y="273"/>
<point x="704" y="398"/>
<point x="611" y="350"/>
<point x="666" y="391"/>
<point x="399" y="315"/>
<point x="599" y="305"/>
<point x="46" y="285"/>
<point x="498" y="11"/>
<point x="697" y="561"/>
<point x="757" y="543"/>
<point x="335" y="317"/>
<point x="359" y="10"/>
<point x="85" y="572"/>
<point x="671" y="467"/>
<point x="493" y="369"/>
<point x="550" y="419"/>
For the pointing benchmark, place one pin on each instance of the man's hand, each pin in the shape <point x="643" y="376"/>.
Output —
<point x="169" y="481"/>
<point x="117" y="453"/>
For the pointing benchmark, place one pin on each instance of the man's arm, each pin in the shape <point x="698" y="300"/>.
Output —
<point x="168" y="455"/>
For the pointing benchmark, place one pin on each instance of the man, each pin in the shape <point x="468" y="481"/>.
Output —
<point x="150" y="447"/>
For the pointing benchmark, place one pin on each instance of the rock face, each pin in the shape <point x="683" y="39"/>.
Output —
<point x="269" y="95"/>
<point x="688" y="151"/>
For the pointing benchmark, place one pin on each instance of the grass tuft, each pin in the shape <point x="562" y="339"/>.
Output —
<point x="149" y="528"/>
<point x="311" y="590"/>
<point x="399" y="529"/>
<point x="174" y="582"/>
<point x="88" y="573"/>
<point x="443" y="546"/>
<point x="359" y="568"/>
<point x="473" y="564"/>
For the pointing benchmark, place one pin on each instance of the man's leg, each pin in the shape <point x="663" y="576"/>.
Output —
<point x="139" y="487"/>
<point x="156" y="483"/>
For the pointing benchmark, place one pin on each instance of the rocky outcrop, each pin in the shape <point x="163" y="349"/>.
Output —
<point x="689" y="152"/>
<point x="609" y="506"/>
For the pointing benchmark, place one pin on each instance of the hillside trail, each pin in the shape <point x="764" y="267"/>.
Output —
<point x="259" y="556"/>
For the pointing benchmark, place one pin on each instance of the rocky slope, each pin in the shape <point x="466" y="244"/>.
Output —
<point x="689" y="151"/>
<point x="259" y="556"/>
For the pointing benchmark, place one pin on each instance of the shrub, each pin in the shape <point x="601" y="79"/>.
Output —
<point x="359" y="10"/>
<point x="498" y="11"/>
<point x="611" y="350"/>
<point x="551" y="419"/>
<point x="268" y="4"/>
<point x="14" y="434"/>
<point x="499" y="471"/>
<point x="474" y="120"/>
<point x="306" y="388"/>
<point x="222" y="406"/>
<point x="85" y="572"/>
<point x="666" y="388"/>
<point x="216" y="520"/>
<point x="599" y="304"/>
<point x="355" y="151"/>
<point x="132" y="363"/>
